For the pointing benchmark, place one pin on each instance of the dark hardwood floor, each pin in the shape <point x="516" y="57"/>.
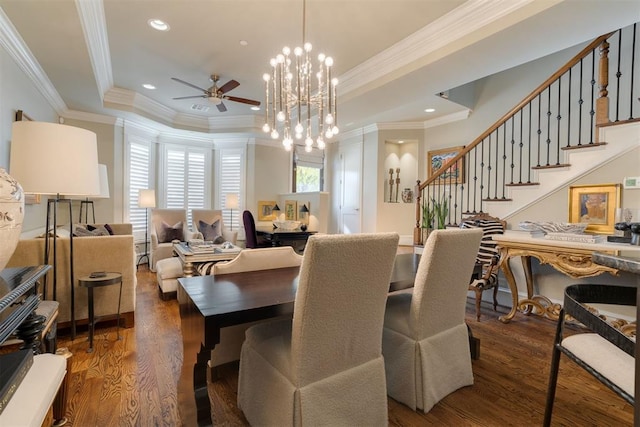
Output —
<point x="132" y="382"/>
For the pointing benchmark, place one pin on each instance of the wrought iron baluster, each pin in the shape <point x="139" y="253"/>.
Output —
<point x="513" y="143"/>
<point x="580" y="102"/>
<point x="569" y="111"/>
<point x="618" y="75"/>
<point x="539" y="131"/>
<point x="520" y="144"/>
<point x="489" y="168"/>
<point x="548" y="125"/>
<point x="633" y="64"/>
<point x="559" y="118"/>
<point x="529" y="150"/>
<point x="593" y="95"/>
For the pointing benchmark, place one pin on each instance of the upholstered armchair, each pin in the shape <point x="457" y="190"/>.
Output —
<point x="488" y="257"/>
<point x="425" y="342"/>
<point x="232" y="337"/>
<point x="167" y="225"/>
<point x="325" y="367"/>
<point x="209" y="223"/>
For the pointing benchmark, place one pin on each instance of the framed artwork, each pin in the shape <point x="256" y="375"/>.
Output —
<point x="29" y="199"/>
<point x="596" y="205"/>
<point x="290" y="210"/>
<point x="265" y="210"/>
<point x="438" y="158"/>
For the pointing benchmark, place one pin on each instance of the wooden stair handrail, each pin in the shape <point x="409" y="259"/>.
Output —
<point x="555" y="76"/>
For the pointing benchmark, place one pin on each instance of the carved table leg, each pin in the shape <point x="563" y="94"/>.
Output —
<point x="508" y="274"/>
<point x="528" y="275"/>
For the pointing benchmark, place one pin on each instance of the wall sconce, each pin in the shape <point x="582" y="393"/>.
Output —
<point x="304" y="213"/>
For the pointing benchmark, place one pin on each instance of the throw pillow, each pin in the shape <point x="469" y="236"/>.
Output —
<point x="81" y="231"/>
<point x="170" y="232"/>
<point x="106" y="227"/>
<point x="210" y="232"/>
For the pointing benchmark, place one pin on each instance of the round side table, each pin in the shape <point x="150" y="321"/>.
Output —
<point x="91" y="282"/>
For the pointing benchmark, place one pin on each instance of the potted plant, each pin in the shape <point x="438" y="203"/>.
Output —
<point x="441" y="210"/>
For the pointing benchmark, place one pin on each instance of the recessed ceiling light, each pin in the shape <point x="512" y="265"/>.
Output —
<point x="401" y="142"/>
<point x="158" y="24"/>
<point x="244" y="43"/>
<point x="429" y="110"/>
<point x="148" y="86"/>
<point x="254" y="108"/>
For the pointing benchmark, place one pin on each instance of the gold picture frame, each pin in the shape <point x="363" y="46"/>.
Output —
<point x="596" y="205"/>
<point x="265" y="210"/>
<point x="436" y="159"/>
<point x="290" y="210"/>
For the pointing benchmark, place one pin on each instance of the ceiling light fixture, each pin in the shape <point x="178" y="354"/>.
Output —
<point x="429" y="110"/>
<point x="254" y="108"/>
<point x="290" y="98"/>
<point x="158" y="24"/>
<point x="148" y="86"/>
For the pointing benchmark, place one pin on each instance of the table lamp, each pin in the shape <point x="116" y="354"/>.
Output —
<point x="304" y="211"/>
<point x="146" y="199"/>
<point x="55" y="160"/>
<point x="231" y="203"/>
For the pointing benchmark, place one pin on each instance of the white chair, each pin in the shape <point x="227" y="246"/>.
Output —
<point x="425" y="342"/>
<point x="325" y="367"/>
<point x="167" y="225"/>
<point x="209" y="217"/>
<point x="232" y="337"/>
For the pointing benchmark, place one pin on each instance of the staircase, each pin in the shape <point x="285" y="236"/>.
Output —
<point x="575" y="120"/>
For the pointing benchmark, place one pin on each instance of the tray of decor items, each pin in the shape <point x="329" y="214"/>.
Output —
<point x="202" y="246"/>
<point x="562" y="231"/>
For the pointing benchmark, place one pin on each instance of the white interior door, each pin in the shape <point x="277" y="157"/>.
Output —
<point x="350" y="188"/>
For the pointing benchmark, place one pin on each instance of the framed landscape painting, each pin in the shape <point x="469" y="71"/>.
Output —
<point x="438" y="158"/>
<point x="265" y="210"/>
<point x="596" y="205"/>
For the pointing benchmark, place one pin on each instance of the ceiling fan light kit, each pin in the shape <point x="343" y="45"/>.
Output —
<point x="290" y="101"/>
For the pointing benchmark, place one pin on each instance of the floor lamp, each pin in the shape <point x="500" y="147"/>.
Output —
<point x="58" y="161"/>
<point x="104" y="194"/>
<point x="146" y="199"/>
<point x="231" y="203"/>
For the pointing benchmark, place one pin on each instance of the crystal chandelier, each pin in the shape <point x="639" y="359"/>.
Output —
<point x="290" y="100"/>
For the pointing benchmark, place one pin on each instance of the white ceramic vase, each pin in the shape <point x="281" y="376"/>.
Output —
<point x="11" y="216"/>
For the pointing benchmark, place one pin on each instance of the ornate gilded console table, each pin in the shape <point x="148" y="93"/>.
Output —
<point x="571" y="258"/>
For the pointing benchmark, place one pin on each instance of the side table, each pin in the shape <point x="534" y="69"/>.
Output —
<point x="91" y="282"/>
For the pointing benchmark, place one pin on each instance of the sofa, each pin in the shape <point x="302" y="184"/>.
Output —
<point x="91" y="253"/>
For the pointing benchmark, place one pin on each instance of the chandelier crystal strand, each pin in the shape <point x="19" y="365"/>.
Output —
<point x="286" y="99"/>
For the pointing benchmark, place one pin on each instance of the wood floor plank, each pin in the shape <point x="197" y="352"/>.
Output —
<point x="133" y="382"/>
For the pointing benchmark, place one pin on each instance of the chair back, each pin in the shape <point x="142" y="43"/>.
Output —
<point x="207" y="215"/>
<point x="250" y="230"/>
<point x="260" y="259"/>
<point x="340" y="303"/>
<point x="442" y="280"/>
<point x="490" y="226"/>
<point x="168" y="216"/>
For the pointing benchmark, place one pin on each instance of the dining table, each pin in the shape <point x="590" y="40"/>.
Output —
<point x="209" y="303"/>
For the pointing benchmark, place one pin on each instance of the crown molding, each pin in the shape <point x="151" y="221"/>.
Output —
<point x="449" y="118"/>
<point x="94" y="27"/>
<point x="467" y="18"/>
<point x="92" y="117"/>
<point x="17" y="49"/>
<point x="400" y="126"/>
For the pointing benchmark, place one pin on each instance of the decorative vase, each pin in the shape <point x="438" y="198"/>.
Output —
<point x="11" y="216"/>
<point x="407" y="195"/>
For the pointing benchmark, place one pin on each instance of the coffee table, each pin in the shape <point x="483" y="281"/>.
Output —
<point x="190" y="257"/>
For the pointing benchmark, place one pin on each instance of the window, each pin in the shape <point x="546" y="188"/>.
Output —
<point x="231" y="165"/>
<point x="139" y="178"/>
<point x="186" y="178"/>
<point x="308" y="170"/>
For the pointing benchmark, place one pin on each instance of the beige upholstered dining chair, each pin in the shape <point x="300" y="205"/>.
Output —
<point x="209" y="223"/>
<point x="232" y="337"/>
<point x="325" y="367"/>
<point x="425" y="342"/>
<point x="167" y="225"/>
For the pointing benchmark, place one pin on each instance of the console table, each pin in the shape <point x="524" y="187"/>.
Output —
<point x="571" y="258"/>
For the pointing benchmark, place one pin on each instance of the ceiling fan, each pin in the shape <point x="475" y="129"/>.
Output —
<point x="217" y="94"/>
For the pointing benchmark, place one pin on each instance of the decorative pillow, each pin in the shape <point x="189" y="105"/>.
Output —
<point x="169" y="233"/>
<point x="210" y="232"/>
<point x="81" y="231"/>
<point x="106" y="227"/>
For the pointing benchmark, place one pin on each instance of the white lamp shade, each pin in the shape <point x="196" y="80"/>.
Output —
<point x="104" y="182"/>
<point x="231" y="201"/>
<point x="147" y="198"/>
<point x="50" y="158"/>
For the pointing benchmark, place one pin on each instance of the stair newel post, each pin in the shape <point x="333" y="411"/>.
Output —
<point x="417" y="230"/>
<point x="602" y="103"/>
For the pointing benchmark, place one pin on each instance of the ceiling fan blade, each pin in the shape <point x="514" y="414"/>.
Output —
<point x="221" y="107"/>
<point x="191" y="97"/>
<point x="231" y="84"/>
<point x="189" y="84"/>
<point x="243" y="100"/>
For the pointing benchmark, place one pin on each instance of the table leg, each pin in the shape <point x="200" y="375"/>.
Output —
<point x="91" y="319"/>
<point x="528" y="275"/>
<point x="513" y="288"/>
<point x="188" y="269"/>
